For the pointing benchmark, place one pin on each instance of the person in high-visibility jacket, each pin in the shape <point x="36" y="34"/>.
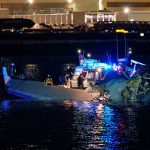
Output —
<point x="49" y="80"/>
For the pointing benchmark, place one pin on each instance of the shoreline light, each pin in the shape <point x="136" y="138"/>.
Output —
<point x="30" y="1"/>
<point x="101" y="7"/>
<point x="126" y="10"/>
<point x="70" y="1"/>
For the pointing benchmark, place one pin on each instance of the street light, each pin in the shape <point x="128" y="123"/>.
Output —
<point x="70" y="1"/>
<point x="30" y="2"/>
<point x="126" y="11"/>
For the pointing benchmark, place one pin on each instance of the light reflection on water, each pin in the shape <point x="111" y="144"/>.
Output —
<point x="5" y="105"/>
<point x="98" y="126"/>
<point x="72" y="125"/>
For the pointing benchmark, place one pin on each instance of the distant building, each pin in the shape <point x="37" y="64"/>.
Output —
<point x="48" y="6"/>
<point x="135" y="5"/>
<point x="49" y="11"/>
<point x="102" y="15"/>
<point x="73" y="11"/>
<point x="129" y="10"/>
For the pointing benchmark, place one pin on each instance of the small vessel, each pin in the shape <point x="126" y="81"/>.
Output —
<point x="92" y="70"/>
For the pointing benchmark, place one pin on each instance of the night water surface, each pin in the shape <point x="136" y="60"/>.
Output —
<point x="43" y="125"/>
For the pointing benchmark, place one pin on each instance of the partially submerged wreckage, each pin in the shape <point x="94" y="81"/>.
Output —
<point x="127" y="80"/>
<point x="138" y="75"/>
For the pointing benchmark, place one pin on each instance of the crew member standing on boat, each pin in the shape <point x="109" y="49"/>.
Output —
<point x="70" y="71"/>
<point x="80" y="80"/>
<point x="67" y="78"/>
<point x="49" y="80"/>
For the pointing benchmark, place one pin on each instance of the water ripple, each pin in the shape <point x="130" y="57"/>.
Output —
<point x="72" y="125"/>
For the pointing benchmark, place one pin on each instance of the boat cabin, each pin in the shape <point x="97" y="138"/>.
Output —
<point x="92" y="70"/>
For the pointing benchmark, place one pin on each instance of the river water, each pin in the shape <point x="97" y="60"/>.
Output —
<point x="42" y="125"/>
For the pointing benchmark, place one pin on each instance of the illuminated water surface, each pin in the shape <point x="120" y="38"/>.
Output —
<point x="28" y="124"/>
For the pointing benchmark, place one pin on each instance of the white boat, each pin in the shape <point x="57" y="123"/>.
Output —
<point x="39" y="91"/>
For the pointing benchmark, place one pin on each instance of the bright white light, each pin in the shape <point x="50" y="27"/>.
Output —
<point x="88" y="55"/>
<point x="131" y="19"/>
<point x="79" y="51"/>
<point x="30" y="1"/>
<point x="115" y="67"/>
<point x="130" y="52"/>
<point x="99" y="70"/>
<point x="141" y="34"/>
<point x="90" y="17"/>
<point x="70" y="1"/>
<point x="126" y="10"/>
